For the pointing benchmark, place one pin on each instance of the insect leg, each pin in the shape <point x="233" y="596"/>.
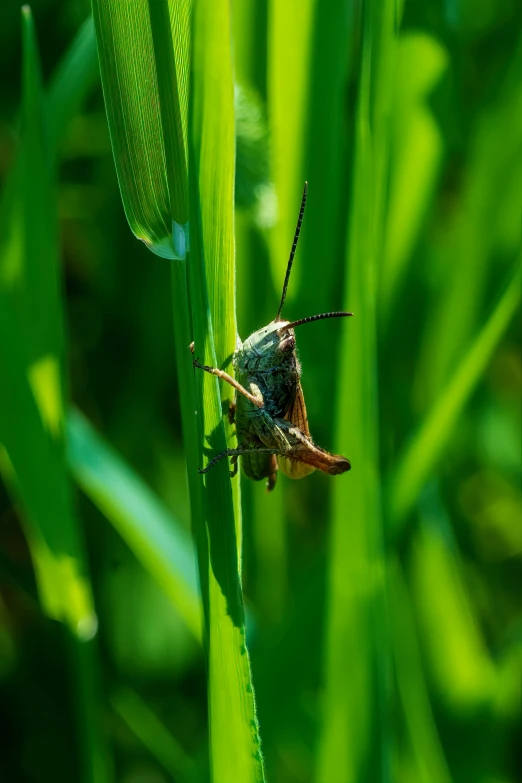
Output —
<point x="232" y="411"/>
<point x="303" y="450"/>
<point x="272" y="478"/>
<point x="258" y="401"/>
<point x="235" y="453"/>
<point x="226" y="453"/>
<point x="234" y="464"/>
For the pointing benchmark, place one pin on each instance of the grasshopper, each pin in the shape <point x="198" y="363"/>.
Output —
<point x="269" y="408"/>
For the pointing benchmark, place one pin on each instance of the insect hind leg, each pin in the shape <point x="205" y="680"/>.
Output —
<point x="235" y="453"/>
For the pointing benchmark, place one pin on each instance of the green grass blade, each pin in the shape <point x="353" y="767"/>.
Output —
<point x="165" y="47"/>
<point x="417" y="149"/>
<point x="146" y="725"/>
<point x="74" y="78"/>
<point x="425" y="448"/>
<point x="354" y="741"/>
<point x="51" y="529"/>
<point x="456" y="655"/>
<point x="288" y="67"/>
<point x="151" y="532"/>
<point x="484" y="228"/>
<point x="321" y="249"/>
<point x="32" y="345"/>
<point x="144" y="103"/>
<point x="426" y="745"/>
<point x="216" y="182"/>
<point x="29" y="236"/>
<point x="31" y="405"/>
<point x="234" y="739"/>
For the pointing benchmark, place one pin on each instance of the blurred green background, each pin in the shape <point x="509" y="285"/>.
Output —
<point x="431" y="590"/>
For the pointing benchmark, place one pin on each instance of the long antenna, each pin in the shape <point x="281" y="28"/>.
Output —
<point x="292" y="252"/>
<point x="312" y="318"/>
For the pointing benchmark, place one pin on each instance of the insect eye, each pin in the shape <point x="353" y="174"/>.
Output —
<point x="287" y="344"/>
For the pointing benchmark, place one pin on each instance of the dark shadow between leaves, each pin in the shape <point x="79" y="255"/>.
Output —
<point x="221" y="530"/>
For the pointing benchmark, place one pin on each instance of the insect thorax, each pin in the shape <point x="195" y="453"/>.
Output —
<point x="268" y="360"/>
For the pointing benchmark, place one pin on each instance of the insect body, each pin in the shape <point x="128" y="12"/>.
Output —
<point x="269" y="409"/>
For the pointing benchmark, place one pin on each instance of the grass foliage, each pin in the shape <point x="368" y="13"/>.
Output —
<point x="383" y="624"/>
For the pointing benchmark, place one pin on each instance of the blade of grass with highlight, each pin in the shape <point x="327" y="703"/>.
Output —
<point x="145" y="90"/>
<point x="34" y="347"/>
<point x="417" y="148"/>
<point x="149" y="529"/>
<point x="234" y="738"/>
<point x="422" y="453"/>
<point x="354" y="744"/>
<point x="290" y="30"/>
<point x="456" y="655"/>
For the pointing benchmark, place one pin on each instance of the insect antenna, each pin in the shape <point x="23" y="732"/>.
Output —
<point x="292" y="252"/>
<point x="309" y="319"/>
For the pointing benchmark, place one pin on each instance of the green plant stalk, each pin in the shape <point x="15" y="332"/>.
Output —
<point x="183" y="336"/>
<point x="354" y="745"/>
<point x="234" y="738"/>
<point x="143" y="57"/>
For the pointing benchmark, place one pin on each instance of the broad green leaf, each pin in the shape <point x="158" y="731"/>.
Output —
<point x="155" y="537"/>
<point x="422" y="453"/>
<point x="234" y="738"/>
<point x="144" y="53"/>
<point x="354" y="741"/>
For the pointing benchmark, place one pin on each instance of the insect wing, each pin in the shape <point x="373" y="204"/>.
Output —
<point x="298" y="417"/>
<point x="294" y="469"/>
<point x="297" y="412"/>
